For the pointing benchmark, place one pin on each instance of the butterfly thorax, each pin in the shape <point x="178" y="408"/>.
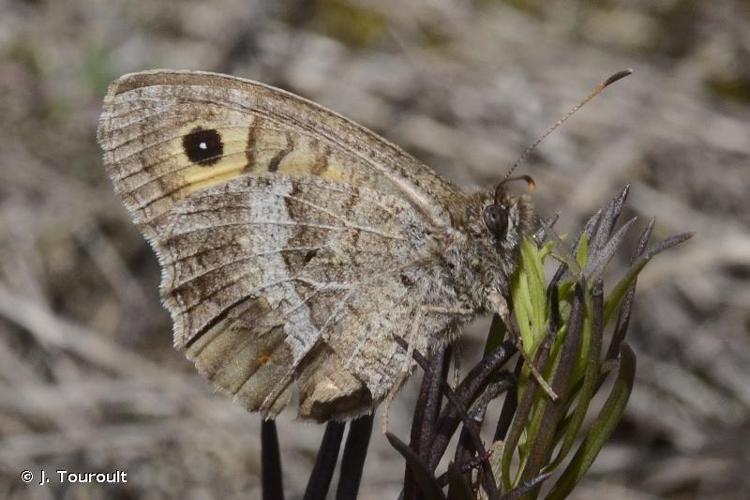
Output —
<point x="482" y="253"/>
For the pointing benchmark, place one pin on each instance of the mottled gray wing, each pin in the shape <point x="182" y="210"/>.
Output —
<point x="271" y="279"/>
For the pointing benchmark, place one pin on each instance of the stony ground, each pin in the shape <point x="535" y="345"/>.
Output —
<point x="88" y="379"/>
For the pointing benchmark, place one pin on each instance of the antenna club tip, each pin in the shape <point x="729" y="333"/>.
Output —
<point x="609" y="81"/>
<point x="617" y="76"/>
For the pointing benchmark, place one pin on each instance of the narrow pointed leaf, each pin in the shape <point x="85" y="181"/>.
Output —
<point x="608" y="220"/>
<point x="591" y="225"/>
<point x="601" y="429"/>
<point x="421" y="472"/>
<point x="621" y="288"/>
<point x="626" y="306"/>
<point x="604" y="254"/>
<point x="562" y="251"/>
<point x="582" y="250"/>
<point x="542" y="428"/>
<point x="548" y="222"/>
<point x="522" y="489"/>
<point x="590" y="379"/>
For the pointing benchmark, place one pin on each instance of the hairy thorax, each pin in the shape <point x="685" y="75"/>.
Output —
<point x="480" y="258"/>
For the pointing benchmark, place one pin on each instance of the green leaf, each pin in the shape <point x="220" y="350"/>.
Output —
<point x="589" y="385"/>
<point x="615" y="297"/>
<point x="582" y="250"/>
<point x="582" y="359"/>
<point x="546" y="420"/>
<point x="621" y="289"/>
<point x="529" y="295"/>
<point x="601" y="429"/>
<point x="521" y="305"/>
<point x="561" y="251"/>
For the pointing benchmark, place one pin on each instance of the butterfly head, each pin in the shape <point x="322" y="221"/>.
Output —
<point x="485" y="255"/>
<point x="507" y="218"/>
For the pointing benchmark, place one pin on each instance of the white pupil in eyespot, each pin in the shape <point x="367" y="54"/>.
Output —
<point x="203" y="145"/>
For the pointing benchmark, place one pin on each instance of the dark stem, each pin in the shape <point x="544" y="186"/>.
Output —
<point x="510" y="404"/>
<point x="325" y="464"/>
<point x="459" y="406"/>
<point x="353" y="460"/>
<point x="425" y="415"/>
<point x="469" y="388"/>
<point x="270" y="459"/>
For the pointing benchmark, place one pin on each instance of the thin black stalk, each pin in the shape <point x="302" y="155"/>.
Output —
<point x="425" y="415"/>
<point x="524" y="488"/>
<point x="272" y="485"/>
<point x="510" y="404"/>
<point x="422" y="475"/>
<point x="464" y="449"/>
<point x="488" y="478"/>
<point x="325" y="464"/>
<point x="353" y="460"/>
<point x="467" y="466"/>
<point x="468" y="390"/>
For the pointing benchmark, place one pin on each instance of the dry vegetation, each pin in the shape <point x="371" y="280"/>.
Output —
<point x="88" y="378"/>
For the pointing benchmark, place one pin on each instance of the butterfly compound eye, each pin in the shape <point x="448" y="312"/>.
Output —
<point x="496" y="220"/>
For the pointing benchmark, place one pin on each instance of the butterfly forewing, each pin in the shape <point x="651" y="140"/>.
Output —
<point x="166" y="134"/>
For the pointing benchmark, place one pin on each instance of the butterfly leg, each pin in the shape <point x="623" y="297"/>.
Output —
<point x="404" y="372"/>
<point x="452" y="311"/>
<point x="411" y="339"/>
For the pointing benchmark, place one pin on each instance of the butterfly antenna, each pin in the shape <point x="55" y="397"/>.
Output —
<point x="606" y="83"/>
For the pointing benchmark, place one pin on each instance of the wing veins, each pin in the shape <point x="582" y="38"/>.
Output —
<point x="293" y="224"/>
<point x="177" y="286"/>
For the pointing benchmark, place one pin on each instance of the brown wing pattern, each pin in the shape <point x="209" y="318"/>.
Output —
<point x="276" y="268"/>
<point x="154" y="125"/>
<point x="331" y="270"/>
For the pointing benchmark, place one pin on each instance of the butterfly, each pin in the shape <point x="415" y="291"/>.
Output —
<point x="296" y="245"/>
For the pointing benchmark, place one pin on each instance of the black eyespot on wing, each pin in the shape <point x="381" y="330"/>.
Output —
<point x="203" y="146"/>
<point x="496" y="220"/>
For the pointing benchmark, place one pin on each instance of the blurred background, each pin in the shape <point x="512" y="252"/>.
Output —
<point x="88" y="378"/>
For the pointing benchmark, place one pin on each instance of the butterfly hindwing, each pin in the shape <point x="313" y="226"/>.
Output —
<point x="329" y="268"/>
